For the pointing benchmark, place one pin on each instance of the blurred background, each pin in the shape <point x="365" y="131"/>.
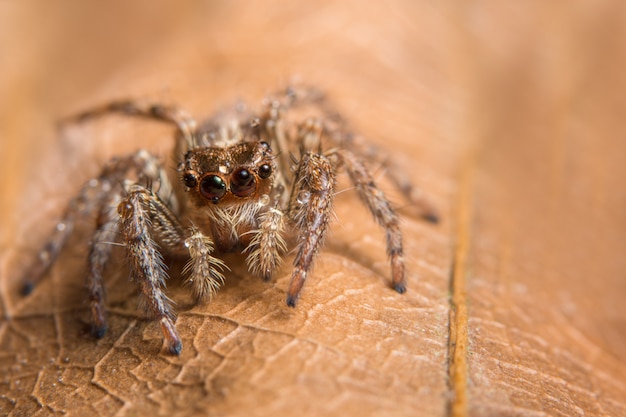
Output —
<point x="508" y="114"/>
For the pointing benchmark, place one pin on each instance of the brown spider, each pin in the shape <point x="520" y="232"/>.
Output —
<point x="239" y="186"/>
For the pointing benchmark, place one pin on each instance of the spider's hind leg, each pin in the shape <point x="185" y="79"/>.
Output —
<point x="89" y="198"/>
<point x="371" y="153"/>
<point x="382" y="211"/>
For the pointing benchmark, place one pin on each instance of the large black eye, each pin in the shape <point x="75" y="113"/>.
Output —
<point x="242" y="183"/>
<point x="265" y="170"/>
<point x="212" y="188"/>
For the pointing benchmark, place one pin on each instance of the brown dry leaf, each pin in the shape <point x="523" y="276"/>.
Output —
<point x="507" y="116"/>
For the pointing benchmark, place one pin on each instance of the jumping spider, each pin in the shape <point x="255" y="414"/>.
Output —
<point x="245" y="182"/>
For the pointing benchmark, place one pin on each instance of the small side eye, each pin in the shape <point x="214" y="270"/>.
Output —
<point x="190" y="179"/>
<point x="242" y="183"/>
<point x="212" y="188"/>
<point x="265" y="170"/>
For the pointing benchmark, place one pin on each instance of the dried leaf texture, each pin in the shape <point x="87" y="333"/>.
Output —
<point x="546" y="323"/>
<point x="507" y="116"/>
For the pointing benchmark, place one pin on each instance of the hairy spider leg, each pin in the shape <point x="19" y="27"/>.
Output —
<point x="369" y="152"/>
<point x="99" y="253"/>
<point x="336" y="129"/>
<point x="272" y="122"/>
<point x="274" y="127"/>
<point x="148" y="170"/>
<point x="382" y="211"/>
<point x="88" y="199"/>
<point x="310" y="209"/>
<point x="185" y="123"/>
<point x="137" y="210"/>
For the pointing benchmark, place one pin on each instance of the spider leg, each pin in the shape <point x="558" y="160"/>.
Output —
<point x="148" y="170"/>
<point x="274" y="127"/>
<point x="310" y="209"/>
<point x="370" y="152"/>
<point x="336" y="130"/>
<point x="279" y="132"/>
<point x="300" y="94"/>
<point x="382" y="211"/>
<point x="84" y="203"/>
<point x="411" y="193"/>
<point x="99" y="253"/>
<point x="185" y="123"/>
<point x="138" y="210"/>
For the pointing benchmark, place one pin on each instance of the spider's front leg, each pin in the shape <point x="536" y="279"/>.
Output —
<point x="140" y="212"/>
<point x="148" y="170"/>
<point x="310" y="208"/>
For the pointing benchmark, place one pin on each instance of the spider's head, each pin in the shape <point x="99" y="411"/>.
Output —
<point x="232" y="175"/>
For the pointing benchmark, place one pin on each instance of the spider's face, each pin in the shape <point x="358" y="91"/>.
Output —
<point x="227" y="176"/>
